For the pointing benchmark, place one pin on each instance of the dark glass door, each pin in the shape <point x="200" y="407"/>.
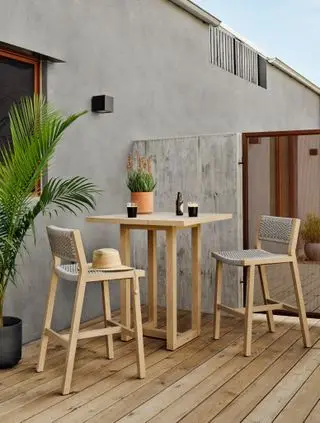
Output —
<point x="19" y="76"/>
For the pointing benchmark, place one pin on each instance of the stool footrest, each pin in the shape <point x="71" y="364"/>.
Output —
<point x="111" y="330"/>
<point x="62" y="338"/>
<point x="272" y="305"/>
<point x="237" y="311"/>
<point x="285" y="306"/>
<point x="267" y="307"/>
<point x="123" y="329"/>
<point x="98" y="332"/>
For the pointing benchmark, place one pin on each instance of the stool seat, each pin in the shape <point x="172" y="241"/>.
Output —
<point x="71" y="271"/>
<point x="248" y="257"/>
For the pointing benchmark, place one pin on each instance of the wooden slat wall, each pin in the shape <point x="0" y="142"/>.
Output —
<point x="204" y="169"/>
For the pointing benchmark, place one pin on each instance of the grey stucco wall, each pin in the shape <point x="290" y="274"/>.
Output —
<point x="154" y="59"/>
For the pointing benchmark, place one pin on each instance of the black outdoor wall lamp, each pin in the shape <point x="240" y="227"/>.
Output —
<point x="102" y="104"/>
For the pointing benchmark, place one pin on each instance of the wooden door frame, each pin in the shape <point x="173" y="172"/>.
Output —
<point x="292" y="185"/>
<point x="25" y="59"/>
<point x="292" y="175"/>
<point x="245" y="173"/>
<point x="36" y="83"/>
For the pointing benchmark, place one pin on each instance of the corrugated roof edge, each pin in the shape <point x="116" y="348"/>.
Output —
<point x="197" y="11"/>
<point x="279" y="64"/>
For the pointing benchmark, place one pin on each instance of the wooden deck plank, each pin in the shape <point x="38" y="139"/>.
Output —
<point x="165" y="390"/>
<point x="202" y="381"/>
<point x="276" y="400"/>
<point x="108" y="396"/>
<point x="237" y="407"/>
<point x="129" y="400"/>
<point x="214" y="403"/>
<point x="314" y="416"/>
<point x="227" y="381"/>
<point x="303" y="402"/>
<point x="97" y="398"/>
<point x="29" y="379"/>
<point x="29" y="401"/>
<point x="125" y="377"/>
<point x="30" y="352"/>
<point x="28" y="398"/>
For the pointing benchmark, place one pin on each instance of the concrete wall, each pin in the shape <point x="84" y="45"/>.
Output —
<point x="206" y="170"/>
<point x="154" y="59"/>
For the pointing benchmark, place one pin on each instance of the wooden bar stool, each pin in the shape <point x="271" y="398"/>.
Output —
<point x="66" y="245"/>
<point x="274" y="229"/>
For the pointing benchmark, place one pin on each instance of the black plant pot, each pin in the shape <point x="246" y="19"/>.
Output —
<point x="10" y="342"/>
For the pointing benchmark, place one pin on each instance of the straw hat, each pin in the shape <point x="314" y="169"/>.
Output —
<point x="108" y="259"/>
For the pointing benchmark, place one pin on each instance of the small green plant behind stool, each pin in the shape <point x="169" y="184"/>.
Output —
<point x="310" y="233"/>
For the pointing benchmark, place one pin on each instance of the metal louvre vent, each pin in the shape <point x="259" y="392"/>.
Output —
<point x="222" y="50"/>
<point x="234" y="55"/>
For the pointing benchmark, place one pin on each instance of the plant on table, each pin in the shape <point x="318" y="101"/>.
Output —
<point x="141" y="182"/>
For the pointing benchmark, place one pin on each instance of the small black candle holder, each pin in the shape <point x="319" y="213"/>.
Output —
<point x="193" y="210"/>
<point x="132" y="210"/>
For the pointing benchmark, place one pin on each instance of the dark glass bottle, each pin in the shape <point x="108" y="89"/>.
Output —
<point x="179" y="205"/>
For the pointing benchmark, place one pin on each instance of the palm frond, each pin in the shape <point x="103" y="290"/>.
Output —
<point x="36" y="130"/>
<point x="67" y="195"/>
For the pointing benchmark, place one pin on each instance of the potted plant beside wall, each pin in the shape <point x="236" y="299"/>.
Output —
<point x="310" y="233"/>
<point x="141" y="182"/>
<point x="36" y="130"/>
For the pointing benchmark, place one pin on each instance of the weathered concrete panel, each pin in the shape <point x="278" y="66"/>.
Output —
<point x="205" y="169"/>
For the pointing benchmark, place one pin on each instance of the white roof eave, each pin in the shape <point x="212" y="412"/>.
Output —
<point x="279" y="64"/>
<point x="197" y="11"/>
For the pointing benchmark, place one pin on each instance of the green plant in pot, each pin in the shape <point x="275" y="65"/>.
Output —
<point x="310" y="233"/>
<point x="36" y="130"/>
<point x="141" y="182"/>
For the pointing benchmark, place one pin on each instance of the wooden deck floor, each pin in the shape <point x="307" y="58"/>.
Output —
<point x="203" y="381"/>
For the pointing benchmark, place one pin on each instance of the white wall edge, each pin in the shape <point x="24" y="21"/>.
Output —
<point x="197" y="11"/>
<point x="279" y="64"/>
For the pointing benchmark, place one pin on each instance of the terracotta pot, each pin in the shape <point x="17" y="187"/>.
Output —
<point x="144" y="201"/>
<point x="312" y="251"/>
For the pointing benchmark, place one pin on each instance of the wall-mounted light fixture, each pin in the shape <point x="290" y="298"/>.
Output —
<point x="102" y="104"/>
<point x="313" y="151"/>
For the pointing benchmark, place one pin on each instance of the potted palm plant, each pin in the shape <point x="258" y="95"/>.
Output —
<point x="36" y="130"/>
<point x="141" y="182"/>
<point x="310" y="233"/>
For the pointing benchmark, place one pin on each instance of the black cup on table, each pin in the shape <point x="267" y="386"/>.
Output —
<point x="193" y="210"/>
<point x="132" y="209"/>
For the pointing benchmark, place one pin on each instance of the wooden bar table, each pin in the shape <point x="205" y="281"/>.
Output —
<point x="169" y="223"/>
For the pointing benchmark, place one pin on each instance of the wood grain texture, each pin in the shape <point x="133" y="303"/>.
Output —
<point x="202" y="381"/>
<point x="152" y="277"/>
<point x="157" y="219"/>
<point x="125" y="298"/>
